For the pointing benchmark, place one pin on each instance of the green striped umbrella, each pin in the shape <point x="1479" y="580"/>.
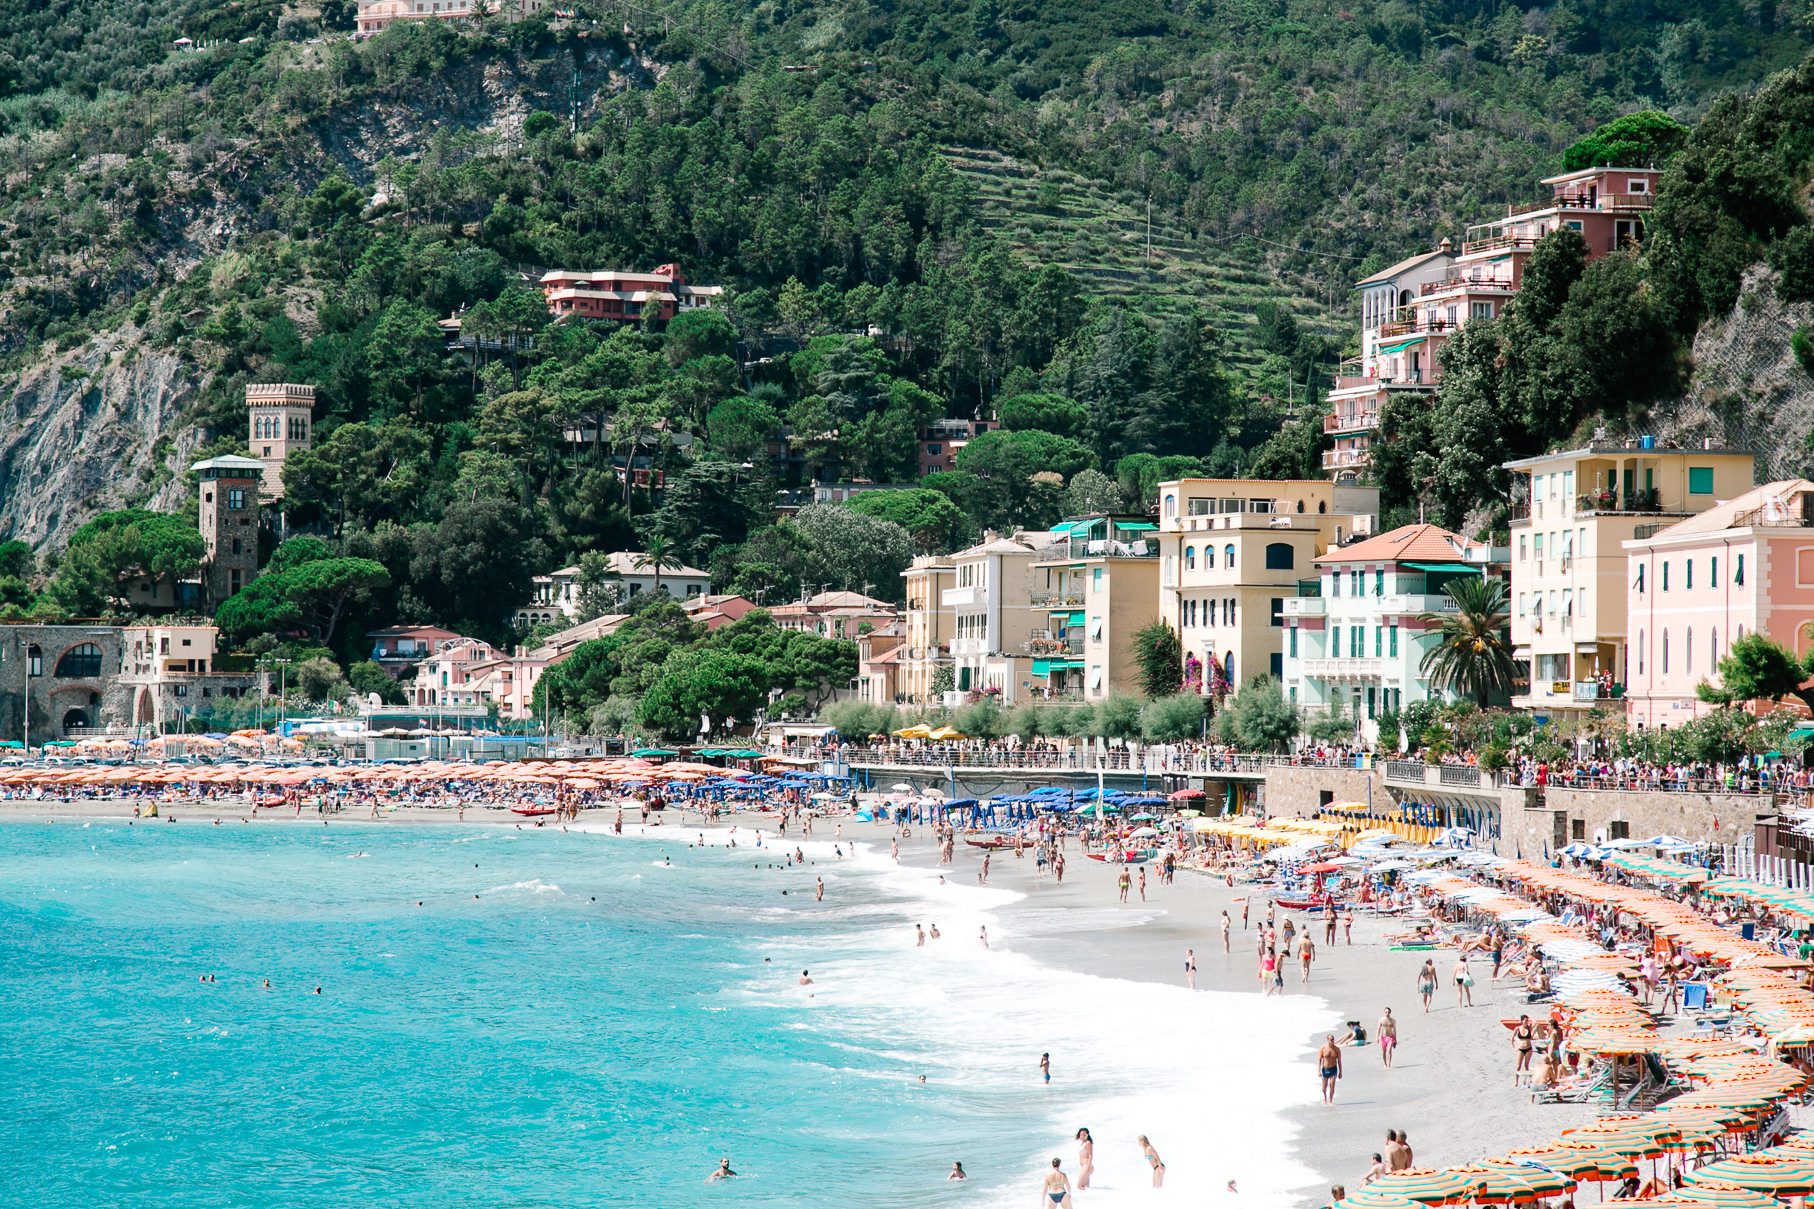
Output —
<point x="1581" y="1160"/>
<point x="1777" y="1174"/>
<point x="1500" y="1183"/>
<point x="1425" y="1185"/>
<point x="1367" y="1198"/>
<point x="1719" y="1196"/>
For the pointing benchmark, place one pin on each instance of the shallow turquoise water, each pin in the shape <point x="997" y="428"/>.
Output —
<point x="595" y="1028"/>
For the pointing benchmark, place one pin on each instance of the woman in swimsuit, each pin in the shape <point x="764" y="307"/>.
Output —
<point x="1058" y="1188"/>
<point x="1086" y="1161"/>
<point x="1152" y="1157"/>
<point x="1521" y="1042"/>
<point x="1426" y="982"/>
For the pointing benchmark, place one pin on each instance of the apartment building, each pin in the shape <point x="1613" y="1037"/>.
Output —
<point x="1409" y="311"/>
<point x="928" y="627"/>
<point x="1355" y="641"/>
<point x="1573" y="514"/>
<point x="998" y="602"/>
<point x="625" y="296"/>
<point x="1233" y="551"/>
<point x="555" y="596"/>
<point x="1693" y="588"/>
<point x="375" y="15"/>
<point x="1100" y="584"/>
<point x="941" y="440"/>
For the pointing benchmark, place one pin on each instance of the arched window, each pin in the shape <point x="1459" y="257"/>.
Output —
<point x="1640" y="652"/>
<point x="1665" y="652"/>
<point x="1280" y="556"/>
<point x="1228" y="666"/>
<point x="1688" y="652"/>
<point x="1228" y="556"/>
<point x="1171" y="505"/>
<point x="1190" y="558"/>
<point x="1713" y="650"/>
<point x="80" y="662"/>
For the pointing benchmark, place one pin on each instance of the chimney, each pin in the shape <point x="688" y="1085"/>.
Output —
<point x="1446" y="245"/>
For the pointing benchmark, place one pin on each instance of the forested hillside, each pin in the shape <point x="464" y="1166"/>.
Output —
<point x="919" y="210"/>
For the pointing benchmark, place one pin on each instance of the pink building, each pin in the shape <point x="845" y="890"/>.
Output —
<point x="941" y="439"/>
<point x="626" y="297"/>
<point x="1409" y="311"/>
<point x="374" y="15"/>
<point x="1697" y="586"/>
<point x="466" y="671"/>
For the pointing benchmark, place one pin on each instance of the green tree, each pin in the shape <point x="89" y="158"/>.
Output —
<point x="1090" y="492"/>
<point x="473" y="569"/>
<point x="713" y="684"/>
<point x="658" y="555"/>
<point x="1161" y="658"/>
<point x="1637" y="140"/>
<point x="1472" y="654"/>
<point x="368" y="679"/>
<point x="1172" y="719"/>
<point x="1258" y="717"/>
<point x="856" y="551"/>
<point x="318" y="679"/>
<point x="17" y="559"/>
<point x="1043" y="412"/>
<point x="1117" y="716"/>
<point x="934" y="522"/>
<point x="740" y="428"/>
<point x="1756" y="668"/>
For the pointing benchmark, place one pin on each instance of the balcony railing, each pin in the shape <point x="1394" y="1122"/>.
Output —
<point x="1056" y="600"/>
<point x="1351" y="422"/>
<point x="1346" y="459"/>
<point x="1468" y="283"/>
<point x="1047" y="646"/>
<point x="1410" y="327"/>
<point x="1071" y="549"/>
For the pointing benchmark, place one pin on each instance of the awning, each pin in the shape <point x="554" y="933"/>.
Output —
<point x="1072" y="528"/>
<point x="1072" y="618"/>
<point x="1802" y="732"/>
<point x="1045" y="667"/>
<point x="1135" y="526"/>
<point x="1399" y="345"/>
<point x="1468" y="568"/>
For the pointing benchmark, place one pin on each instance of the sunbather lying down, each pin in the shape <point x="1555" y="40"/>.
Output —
<point x="1423" y="934"/>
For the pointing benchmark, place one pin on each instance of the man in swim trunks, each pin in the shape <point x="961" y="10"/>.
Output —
<point x="1388" y="1036"/>
<point x="1329" y="1066"/>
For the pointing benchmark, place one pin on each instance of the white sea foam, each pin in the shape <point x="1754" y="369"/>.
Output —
<point x="534" y="885"/>
<point x="1206" y="1075"/>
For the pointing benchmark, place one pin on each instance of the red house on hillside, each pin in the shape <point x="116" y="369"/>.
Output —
<point x="628" y="297"/>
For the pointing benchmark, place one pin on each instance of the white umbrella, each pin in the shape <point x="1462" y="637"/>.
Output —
<point x="822" y="796"/>
<point x="1143" y="832"/>
<point x="901" y="787"/>
<point x="933" y="793"/>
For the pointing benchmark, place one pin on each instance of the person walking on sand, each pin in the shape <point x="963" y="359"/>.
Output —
<point x="1153" y="1160"/>
<point x="1426" y="982"/>
<point x="1058" y="1188"/>
<point x="983" y="874"/>
<point x="1464" y="982"/>
<point x="1190" y="968"/>
<point x="1306" y="953"/>
<point x="1245" y="903"/>
<point x="1266" y="963"/>
<point x="1329" y="924"/>
<point x="1347" y="925"/>
<point x="1123" y="883"/>
<point x="1329" y="1066"/>
<point x="984" y="937"/>
<point x="1226" y="926"/>
<point x="1388" y="1037"/>
<point x="1143" y="883"/>
<point x="1086" y="1158"/>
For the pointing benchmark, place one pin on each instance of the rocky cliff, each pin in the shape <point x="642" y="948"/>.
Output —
<point x="91" y="429"/>
<point x="1748" y="391"/>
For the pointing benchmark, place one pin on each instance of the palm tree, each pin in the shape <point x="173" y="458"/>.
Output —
<point x="1473" y="654"/>
<point x="659" y="555"/>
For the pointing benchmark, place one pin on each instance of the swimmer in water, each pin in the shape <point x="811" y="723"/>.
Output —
<point x="819" y="890"/>
<point x="957" y="1172"/>
<point x="724" y="1172"/>
<point x="806" y="979"/>
<point x="1058" y="1186"/>
<point x="934" y="932"/>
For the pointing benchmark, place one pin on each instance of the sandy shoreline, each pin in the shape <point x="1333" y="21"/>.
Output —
<point x="1449" y="1089"/>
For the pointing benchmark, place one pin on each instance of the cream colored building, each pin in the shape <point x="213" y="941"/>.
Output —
<point x="170" y="669"/>
<point x="1101" y="584"/>
<point x="1232" y="551"/>
<point x="997" y="604"/>
<point x="1572" y="513"/>
<point x="928" y="626"/>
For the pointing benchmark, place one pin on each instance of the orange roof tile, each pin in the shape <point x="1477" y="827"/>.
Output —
<point x="1408" y="543"/>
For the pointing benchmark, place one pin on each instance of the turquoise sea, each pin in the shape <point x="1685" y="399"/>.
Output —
<point x="532" y="1018"/>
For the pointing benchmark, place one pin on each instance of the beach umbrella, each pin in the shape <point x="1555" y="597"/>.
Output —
<point x="1426" y="1185"/>
<point x="1368" y="1198"/>
<point x="1581" y="1160"/>
<point x="1496" y="1183"/>
<point x="947" y="732"/>
<point x="1776" y="1174"/>
<point x="1185" y="795"/>
<point x="1716" y="1196"/>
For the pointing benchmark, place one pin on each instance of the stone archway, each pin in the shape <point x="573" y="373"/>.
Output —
<point x="74" y="719"/>
<point x="144" y="708"/>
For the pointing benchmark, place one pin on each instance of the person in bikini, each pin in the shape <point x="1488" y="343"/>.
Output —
<point x="1058" y="1186"/>
<point x="1152" y="1157"/>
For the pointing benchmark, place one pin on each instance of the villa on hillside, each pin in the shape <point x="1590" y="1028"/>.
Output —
<point x="374" y="15"/>
<point x="625" y="296"/>
<point x="1410" y="310"/>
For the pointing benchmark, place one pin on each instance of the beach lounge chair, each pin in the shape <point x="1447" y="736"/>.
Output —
<point x="1694" y="997"/>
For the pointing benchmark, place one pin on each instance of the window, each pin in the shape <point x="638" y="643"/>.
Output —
<point x="1688" y="575"/>
<point x="1392" y="641"/>
<point x="1357" y="581"/>
<point x="1688" y="652"/>
<point x="1293" y="641"/>
<point x="1280" y="556"/>
<point x="1738" y="570"/>
<point x="1228" y="556"/>
<point x="1640" y="652"/>
<point x="34" y="661"/>
<point x="1577" y="829"/>
<point x="1379" y="582"/>
<point x="1335" y="642"/>
<point x="1171" y="504"/>
<point x="1357" y="641"/>
<point x="80" y="662"/>
<point x="1278" y="610"/>
<point x="1665" y="652"/>
<point x="1372" y="698"/>
<point x="1379" y="641"/>
<point x="1537" y="541"/>
<point x="1209" y="558"/>
<point x="1095" y="579"/>
<point x="1640" y="579"/>
<point x="236" y="498"/>
<point x="1665" y="576"/>
<point x="1618" y="829"/>
<point x="1335" y="584"/>
<point x="1190" y="558"/>
<point x="1713" y="649"/>
<point x="1522" y="552"/>
<point x="1700" y="480"/>
<point x="1228" y="611"/>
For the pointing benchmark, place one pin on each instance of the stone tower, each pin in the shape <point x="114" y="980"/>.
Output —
<point x="229" y="524"/>
<point x="280" y="420"/>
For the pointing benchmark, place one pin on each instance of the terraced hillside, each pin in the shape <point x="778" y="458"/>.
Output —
<point x="1057" y="217"/>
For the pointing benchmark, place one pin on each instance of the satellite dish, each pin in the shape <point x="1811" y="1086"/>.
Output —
<point x="374" y="700"/>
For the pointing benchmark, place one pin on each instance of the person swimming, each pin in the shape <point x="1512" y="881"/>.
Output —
<point x="723" y="1172"/>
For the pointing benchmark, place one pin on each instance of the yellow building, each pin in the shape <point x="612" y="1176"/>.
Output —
<point x="1572" y="513"/>
<point x="927" y="642"/>
<point x="1231" y="551"/>
<point x="1101" y="584"/>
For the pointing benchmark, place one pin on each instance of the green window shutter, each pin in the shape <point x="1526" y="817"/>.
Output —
<point x="1700" y="480"/>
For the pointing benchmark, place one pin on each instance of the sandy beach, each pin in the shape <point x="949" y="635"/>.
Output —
<point x="1450" y="1086"/>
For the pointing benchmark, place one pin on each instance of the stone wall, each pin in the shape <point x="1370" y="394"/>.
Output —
<point x="1551" y="819"/>
<point x="1301" y="792"/>
<point x="100" y="700"/>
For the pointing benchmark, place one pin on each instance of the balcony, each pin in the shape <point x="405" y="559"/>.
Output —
<point x="1346" y="459"/>
<point x="1073" y="549"/>
<point x="957" y="596"/>
<point x="1414" y="603"/>
<point x="1412" y="327"/>
<point x="1345" y="669"/>
<point x="1056" y="600"/>
<point x="1470" y="284"/>
<point x="1351" y="422"/>
<point x="1305" y="606"/>
<point x="1047" y="645"/>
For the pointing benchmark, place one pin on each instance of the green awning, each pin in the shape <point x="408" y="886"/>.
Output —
<point x="1468" y="568"/>
<point x="1135" y="526"/>
<point x="1042" y="667"/>
<point x="1400" y="345"/>
<point x="653" y="751"/>
<point x="1071" y="528"/>
<point x="1071" y="619"/>
<point x="1802" y="732"/>
<point x="1045" y="667"/>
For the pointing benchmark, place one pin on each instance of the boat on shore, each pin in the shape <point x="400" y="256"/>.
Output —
<point x="1128" y="856"/>
<point x="532" y="812"/>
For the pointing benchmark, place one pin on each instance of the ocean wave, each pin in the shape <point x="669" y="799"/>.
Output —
<point x="534" y="885"/>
